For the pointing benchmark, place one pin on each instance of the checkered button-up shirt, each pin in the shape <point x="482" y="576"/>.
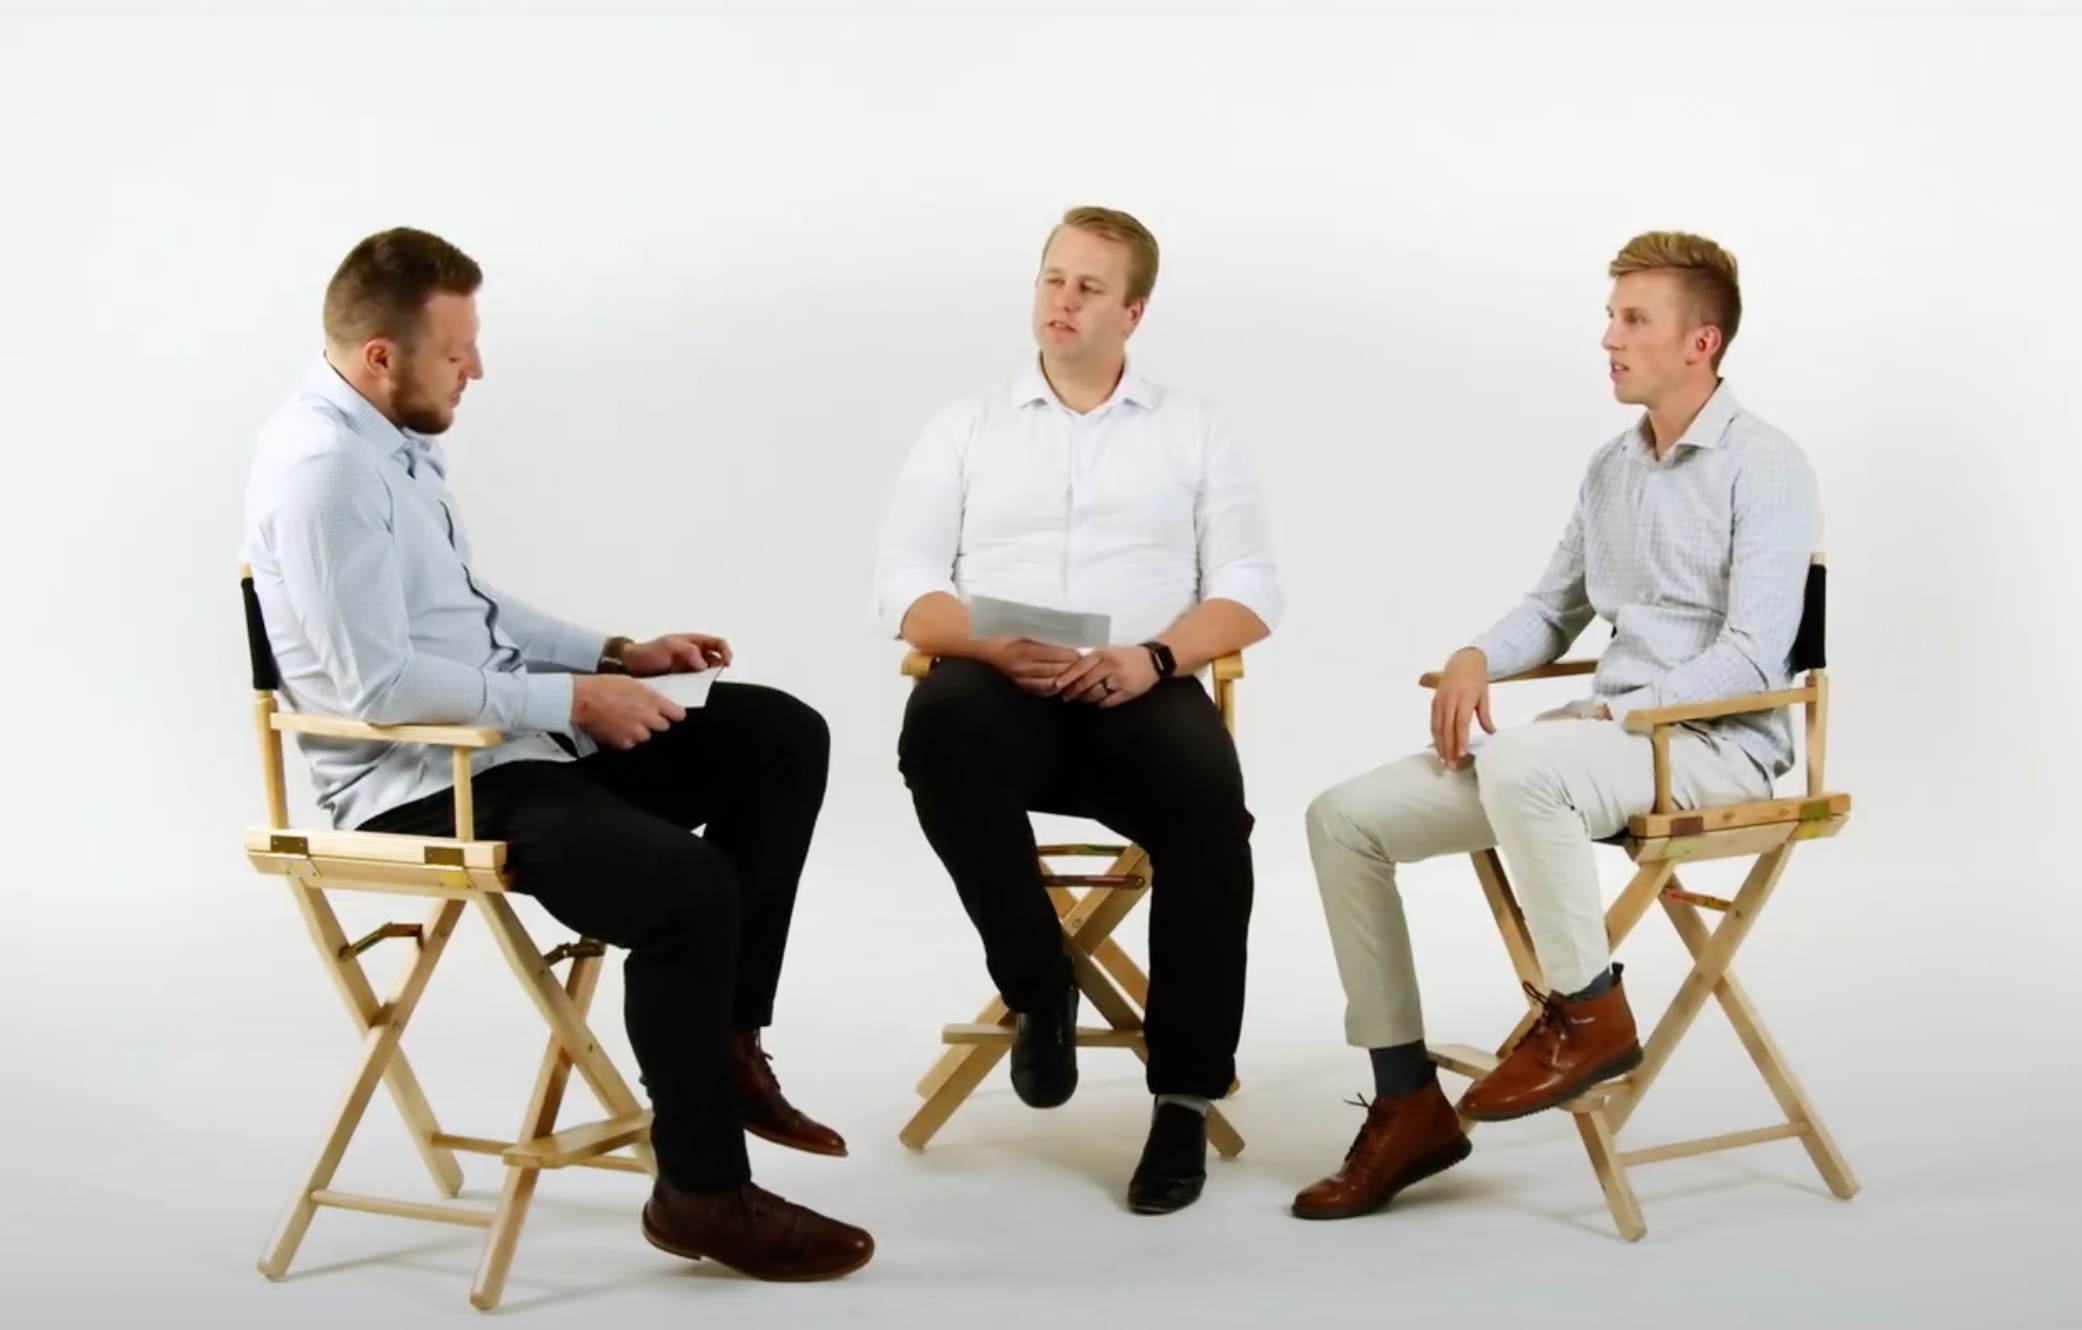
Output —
<point x="1699" y="562"/>
<point x="374" y="612"/>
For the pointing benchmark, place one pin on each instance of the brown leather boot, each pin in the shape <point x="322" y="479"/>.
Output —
<point x="1574" y="1045"/>
<point x="754" y="1232"/>
<point x="765" y="1111"/>
<point x="1404" y="1140"/>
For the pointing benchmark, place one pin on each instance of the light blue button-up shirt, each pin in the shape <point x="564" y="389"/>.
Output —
<point x="1698" y="560"/>
<point x="363" y="571"/>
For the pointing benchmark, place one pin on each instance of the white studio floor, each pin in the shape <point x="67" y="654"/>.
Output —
<point x="147" y="1201"/>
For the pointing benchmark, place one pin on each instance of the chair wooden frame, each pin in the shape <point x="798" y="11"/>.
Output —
<point x="1089" y="906"/>
<point x="1658" y="841"/>
<point x="453" y="872"/>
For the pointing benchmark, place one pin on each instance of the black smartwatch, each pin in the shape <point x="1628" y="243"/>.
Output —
<point x="1160" y="656"/>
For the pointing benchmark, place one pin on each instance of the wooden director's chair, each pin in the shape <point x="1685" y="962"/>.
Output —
<point x="1109" y="978"/>
<point x="1658" y="842"/>
<point x="452" y="871"/>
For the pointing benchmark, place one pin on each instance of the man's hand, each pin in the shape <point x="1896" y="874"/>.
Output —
<point x="1034" y="666"/>
<point x="1462" y="695"/>
<point x="621" y="712"/>
<point x="675" y="653"/>
<point x="1109" y="677"/>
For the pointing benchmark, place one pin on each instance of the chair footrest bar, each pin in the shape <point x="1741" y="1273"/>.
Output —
<point x="1110" y="881"/>
<point x="1733" y="1140"/>
<point x="1088" y="1036"/>
<point x="478" y="1145"/>
<point x="576" y="1144"/>
<point x="383" y="1205"/>
<point x="1080" y="851"/>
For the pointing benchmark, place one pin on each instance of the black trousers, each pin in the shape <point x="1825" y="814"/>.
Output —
<point x="605" y="844"/>
<point x="979" y="754"/>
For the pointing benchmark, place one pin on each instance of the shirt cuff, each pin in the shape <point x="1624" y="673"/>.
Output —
<point x="530" y="702"/>
<point x="903" y="591"/>
<point x="576" y="649"/>
<point x="1621" y="704"/>
<point x="1256" y="591"/>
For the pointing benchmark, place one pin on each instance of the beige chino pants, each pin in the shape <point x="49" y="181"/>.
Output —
<point x="1540" y="794"/>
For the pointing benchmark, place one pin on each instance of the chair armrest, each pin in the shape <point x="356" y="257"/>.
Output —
<point x="1648" y="719"/>
<point x="339" y="727"/>
<point x="917" y="665"/>
<point x="1557" y="670"/>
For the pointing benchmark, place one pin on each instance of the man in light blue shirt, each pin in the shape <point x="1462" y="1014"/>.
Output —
<point x="1691" y="534"/>
<point x="375" y="610"/>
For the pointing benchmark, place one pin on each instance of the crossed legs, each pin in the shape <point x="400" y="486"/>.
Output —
<point x="606" y="846"/>
<point x="1542" y="795"/>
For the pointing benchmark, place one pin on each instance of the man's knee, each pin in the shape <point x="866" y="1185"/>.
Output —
<point x="946" y="730"/>
<point x="1361" y="816"/>
<point x="786" y="721"/>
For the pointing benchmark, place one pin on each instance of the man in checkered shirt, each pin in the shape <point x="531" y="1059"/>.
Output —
<point x="1691" y="535"/>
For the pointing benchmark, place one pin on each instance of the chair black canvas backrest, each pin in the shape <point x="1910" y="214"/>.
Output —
<point x="1810" y="645"/>
<point x="267" y="675"/>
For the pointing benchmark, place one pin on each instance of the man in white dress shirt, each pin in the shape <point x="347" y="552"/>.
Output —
<point x="1081" y="485"/>
<point x="1691" y="534"/>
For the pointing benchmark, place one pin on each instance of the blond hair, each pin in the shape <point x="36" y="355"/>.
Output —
<point x="1705" y="271"/>
<point x="1115" y="225"/>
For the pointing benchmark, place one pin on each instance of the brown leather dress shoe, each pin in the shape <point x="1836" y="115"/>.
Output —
<point x="1404" y="1140"/>
<point x="754" y="1232"/>
<point x="765" y="1111"/>
<point x="1574" y="1045"/>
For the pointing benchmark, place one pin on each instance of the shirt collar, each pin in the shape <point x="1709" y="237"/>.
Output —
<point x="1708" y="429"/>
<point x="1031" y="386"/>
<point x="409" y="447"/>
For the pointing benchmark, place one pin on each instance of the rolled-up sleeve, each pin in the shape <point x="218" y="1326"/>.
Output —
<point x="332" y="535"/>
<point x="1233" y="529"/>
<point x="921" y="528"/>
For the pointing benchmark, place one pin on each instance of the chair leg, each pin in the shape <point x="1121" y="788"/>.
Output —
<point x="1771" y="1064"/>
<point x="565" y="1021"/>
<point x="360" y="999"/>
<point x="1605" y="1161"/>
<point x="379" y="1051"/>
<point x="540" y="1120"/>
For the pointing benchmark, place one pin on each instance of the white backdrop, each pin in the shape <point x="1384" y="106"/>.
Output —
<point x="734" y="261"/>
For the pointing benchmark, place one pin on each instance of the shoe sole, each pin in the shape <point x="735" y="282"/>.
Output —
<point x="1619" y="1066"/>
<point x="691" y="1254"/>
<point x="789" y="1142"/>
<point x="1146" y="1208"/>
<point x="1430" y="1166"/>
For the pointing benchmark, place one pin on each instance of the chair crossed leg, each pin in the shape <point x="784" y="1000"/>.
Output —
<point x="1601" y="1112"/>
<point x="564" y="1007"/>
<point x="1108" y="977"/>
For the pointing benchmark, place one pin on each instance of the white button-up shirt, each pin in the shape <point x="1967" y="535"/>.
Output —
<point x="1138" y="509"/>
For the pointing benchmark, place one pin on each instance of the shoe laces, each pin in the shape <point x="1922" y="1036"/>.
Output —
<point x="1368" y="1140"/>
<point x="1551" y="1031"/>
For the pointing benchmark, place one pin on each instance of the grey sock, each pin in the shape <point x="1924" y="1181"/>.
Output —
<point x="1598" y="987"/>
<point x="1401" y="1069"/>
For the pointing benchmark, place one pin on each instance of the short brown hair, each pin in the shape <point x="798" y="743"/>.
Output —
<point x="382" y="287"/>
<point x="1122" y="228"/>
<point x="1705" y="270"/>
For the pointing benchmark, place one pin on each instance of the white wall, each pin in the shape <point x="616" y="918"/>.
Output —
<point x="735" y="259"/>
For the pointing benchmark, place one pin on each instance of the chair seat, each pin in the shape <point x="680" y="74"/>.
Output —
<point x="379" y="861"/>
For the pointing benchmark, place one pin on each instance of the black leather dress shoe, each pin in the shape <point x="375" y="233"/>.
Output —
<point x="1044" y="1053"/>
<point x="1174" y="1162"/>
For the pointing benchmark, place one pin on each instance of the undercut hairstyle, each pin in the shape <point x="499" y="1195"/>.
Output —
<point x="1706" y="272"/>
<point x="382" y="287"/>
<point x="1115" y="225"/>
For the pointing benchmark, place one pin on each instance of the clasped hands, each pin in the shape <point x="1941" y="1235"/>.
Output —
<point x="620" y="710"/>
<point x="1108" y="677"/>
